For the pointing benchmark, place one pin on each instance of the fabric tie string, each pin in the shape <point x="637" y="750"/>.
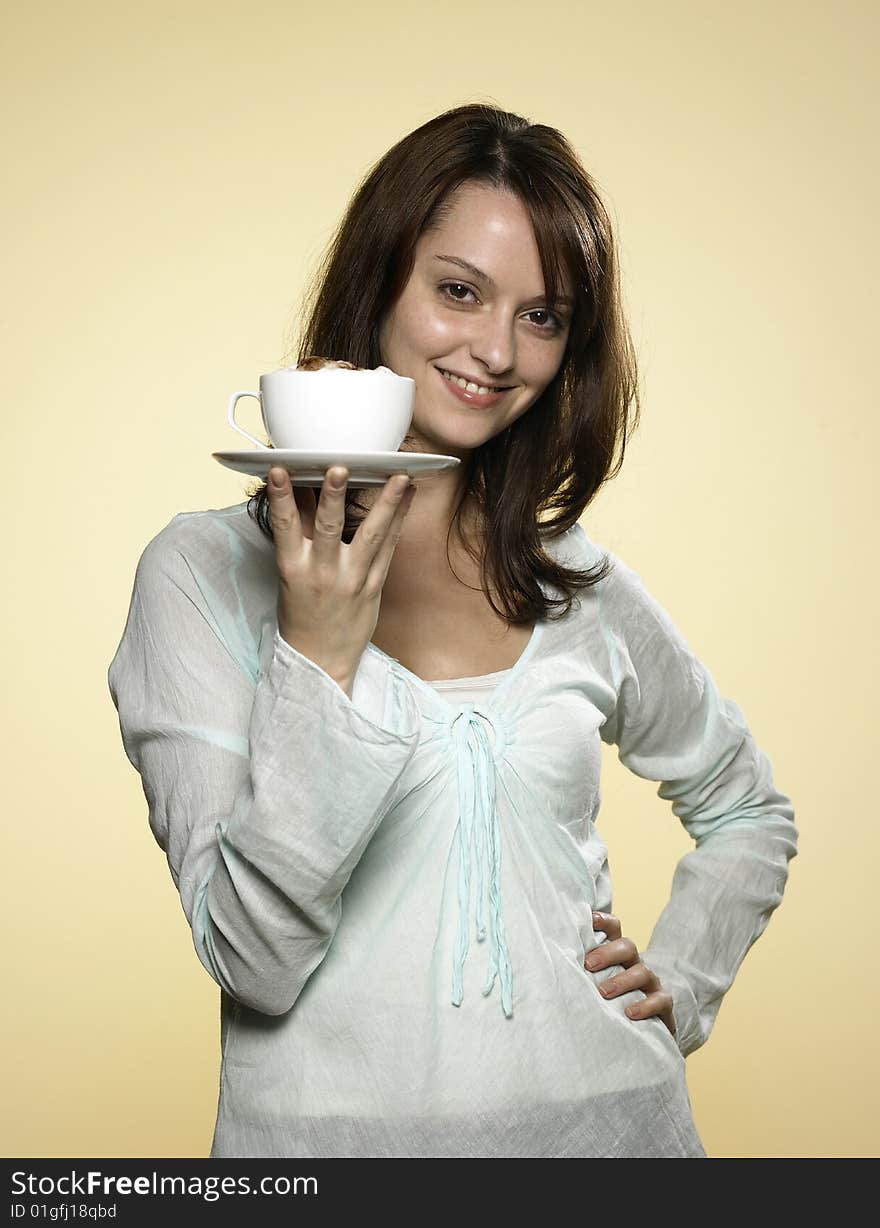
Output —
<point x="478" y="840"/>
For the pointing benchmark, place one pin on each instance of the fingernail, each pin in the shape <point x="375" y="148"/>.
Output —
<point x="337" y="479"/>
<point x="277" y="478"/>
<point x="591" y="961"/>
<point x="631" y="1011"/>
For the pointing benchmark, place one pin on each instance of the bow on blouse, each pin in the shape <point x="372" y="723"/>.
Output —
<point x="478" y="836"/>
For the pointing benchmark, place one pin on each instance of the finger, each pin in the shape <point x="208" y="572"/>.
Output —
<point x="396" y="514"/>
<point x="608" y="923"/>
<point x="653" y="982"/>
<point x="638" y="977"/>
<point x="330" y="515"/>
<point x="283" y="515"/>
<point x="654" y="1004"/>
<point x="613" y="951"/>
<point x="370" y="535"/>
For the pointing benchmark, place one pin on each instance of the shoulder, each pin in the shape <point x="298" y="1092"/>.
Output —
<point x="576" y="549"/>
<point x="202" y="542"/>
<point x="573" y="548"/>
<point x="621" y="595"/>
<point x="631" y="612"/>
<point x="203" y="534"/>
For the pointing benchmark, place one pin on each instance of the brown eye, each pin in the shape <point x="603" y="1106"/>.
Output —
<point x="554" y="322"/>
<point x="455" y="285"/>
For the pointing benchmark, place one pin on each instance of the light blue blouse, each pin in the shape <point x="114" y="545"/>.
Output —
<point x="336" y="856"/>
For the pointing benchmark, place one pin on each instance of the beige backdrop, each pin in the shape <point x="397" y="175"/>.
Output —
<point x="173" y="172"/>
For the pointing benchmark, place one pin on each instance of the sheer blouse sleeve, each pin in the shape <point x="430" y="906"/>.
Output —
<point x="671" y="725"/>
<point x="263" y="794"/>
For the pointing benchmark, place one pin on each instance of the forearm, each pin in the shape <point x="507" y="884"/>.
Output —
<point x="322" y="777"/>
<point x="724" y="892"/>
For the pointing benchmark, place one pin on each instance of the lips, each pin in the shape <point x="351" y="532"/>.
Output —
<point x="472" y="398"/>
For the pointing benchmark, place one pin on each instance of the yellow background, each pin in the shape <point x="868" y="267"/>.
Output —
<point x="173" y="172"/>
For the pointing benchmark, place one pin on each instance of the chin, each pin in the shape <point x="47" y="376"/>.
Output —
<point x="440" y="440"/>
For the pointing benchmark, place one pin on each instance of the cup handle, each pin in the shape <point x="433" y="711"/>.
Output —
<point x="233" y="400"/>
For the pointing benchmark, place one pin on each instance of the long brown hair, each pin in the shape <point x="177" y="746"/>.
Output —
<point x="537" y="476"/>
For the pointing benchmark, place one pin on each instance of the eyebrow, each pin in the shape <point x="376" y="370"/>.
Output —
<point x="475" y="272"/>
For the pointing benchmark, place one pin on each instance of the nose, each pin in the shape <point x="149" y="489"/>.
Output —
<point x="493" y="346"/>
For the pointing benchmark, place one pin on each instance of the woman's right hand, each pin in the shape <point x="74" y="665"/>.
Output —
<point x="329" y="593"/>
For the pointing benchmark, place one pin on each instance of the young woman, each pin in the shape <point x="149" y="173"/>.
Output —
<point x="368" y="724"/>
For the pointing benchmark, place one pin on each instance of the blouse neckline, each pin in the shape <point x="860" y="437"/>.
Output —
<point x="471" y="680"/>
<point x="508" y="676"/>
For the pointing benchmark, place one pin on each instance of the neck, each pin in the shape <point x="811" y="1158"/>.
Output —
<point x="433" y="507"/>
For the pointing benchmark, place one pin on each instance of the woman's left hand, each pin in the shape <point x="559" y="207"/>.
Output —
<point x="623" y="951"/>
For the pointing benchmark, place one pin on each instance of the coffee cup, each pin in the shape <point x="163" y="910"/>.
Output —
<point x="332" y="409"/>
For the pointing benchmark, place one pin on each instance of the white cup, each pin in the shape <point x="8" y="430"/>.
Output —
<point x="333" y="409"/>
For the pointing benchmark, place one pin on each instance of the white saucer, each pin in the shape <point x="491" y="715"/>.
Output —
<point x="309" y="468"/>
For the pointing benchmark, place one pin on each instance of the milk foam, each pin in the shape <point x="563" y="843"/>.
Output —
<point x="335" y="369"/>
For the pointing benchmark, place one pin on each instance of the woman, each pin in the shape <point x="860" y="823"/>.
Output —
<point x="368" y="729"/>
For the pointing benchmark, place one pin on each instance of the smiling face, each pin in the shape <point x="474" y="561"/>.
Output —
<point x="492" y="327"/>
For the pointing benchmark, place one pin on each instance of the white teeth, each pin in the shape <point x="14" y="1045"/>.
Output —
<point x="479" y="389"/>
